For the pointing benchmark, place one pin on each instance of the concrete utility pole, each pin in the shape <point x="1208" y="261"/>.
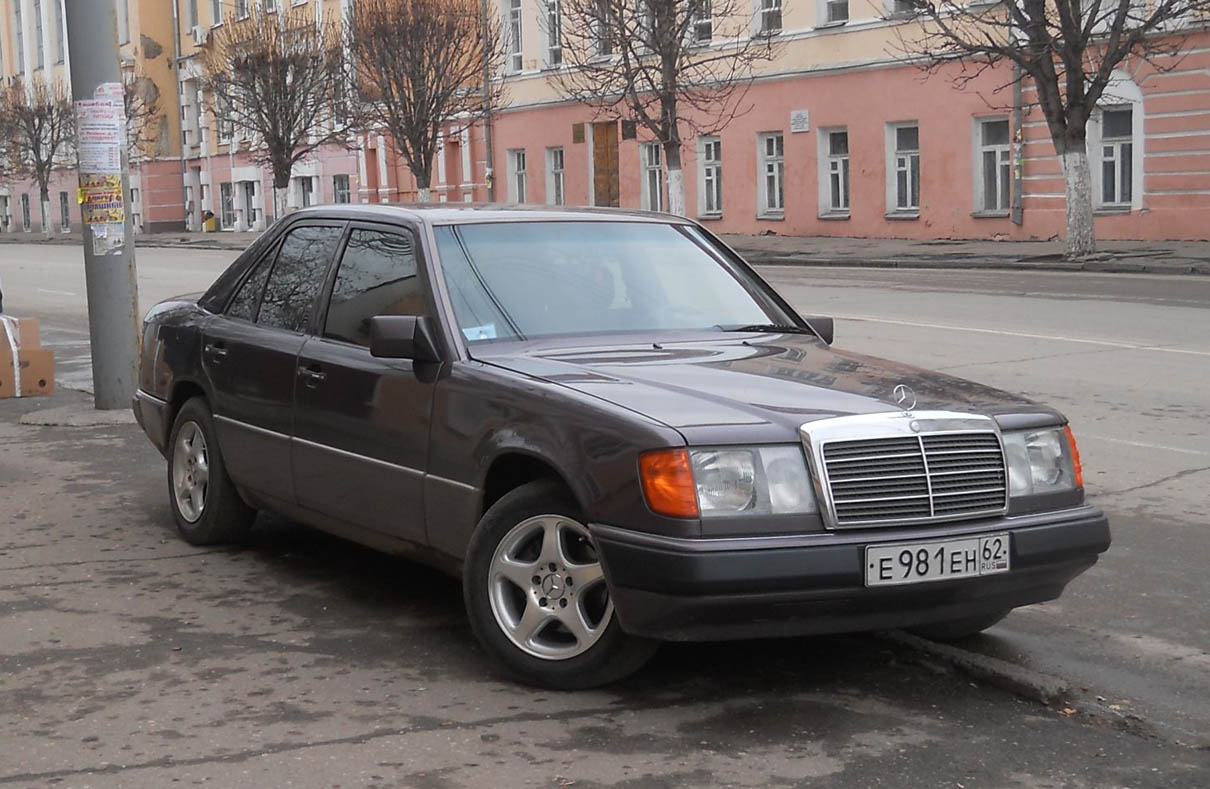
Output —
<point x="113" y="309"/>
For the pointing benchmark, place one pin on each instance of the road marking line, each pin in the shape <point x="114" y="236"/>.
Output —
<point x="1028" y="335"/>
<point x="1144" y="445"/>
<point x="56" y="292"/>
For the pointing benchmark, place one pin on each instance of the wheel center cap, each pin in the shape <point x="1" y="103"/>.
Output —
<point x="552" y="585"/>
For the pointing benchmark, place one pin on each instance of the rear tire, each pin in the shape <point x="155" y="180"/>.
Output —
<point x="537" y="598"/>
<point x="207" y="507"/>
<point x="958" y="629"/>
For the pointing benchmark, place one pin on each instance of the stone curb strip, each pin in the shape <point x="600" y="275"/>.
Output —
<point x="1106" y="265"/>
<point x="1029" y="684"/>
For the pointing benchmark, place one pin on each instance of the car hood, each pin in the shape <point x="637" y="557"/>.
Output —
<point x="747" y="387"/>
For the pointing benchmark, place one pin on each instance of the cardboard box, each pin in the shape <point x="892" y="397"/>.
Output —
<point x="27" y="335"/>
<point x="37" y="366"/>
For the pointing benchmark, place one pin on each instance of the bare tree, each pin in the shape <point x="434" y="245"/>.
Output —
<point x="678" y="68"/>
<point x="40" y="127"/>
<point x="277" y="77"/>
<point x="141" y="98"/>
<point x="419" y="68"/>
<point x="1069" y="49"/>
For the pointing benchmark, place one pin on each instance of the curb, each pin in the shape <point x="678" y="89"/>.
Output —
<point x="1033" y="685"/>
<point x="1011" y="264"/>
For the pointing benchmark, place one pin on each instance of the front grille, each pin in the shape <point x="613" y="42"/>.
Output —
<point x="942" y="476"/>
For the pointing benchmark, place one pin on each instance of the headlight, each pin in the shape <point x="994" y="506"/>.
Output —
<point x="727" y="481"/>
<point x="760" y="480"/>
<point x="1041" y="461"/>
<point x="725" y="478"/>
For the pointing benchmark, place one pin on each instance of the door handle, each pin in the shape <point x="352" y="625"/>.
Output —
<point x="312" y="376"/>
<point x="215" y="351"/>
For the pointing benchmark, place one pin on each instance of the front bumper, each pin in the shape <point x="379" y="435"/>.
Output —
<point x="152" y="415"/>
<point x="677" y="589"/>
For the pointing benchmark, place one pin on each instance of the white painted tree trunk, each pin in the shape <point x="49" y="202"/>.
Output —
<point x="279" y="202"/>
<point x="1078" y="181"/>
<point x="48" y="222"/>
<point x="676" y="191"/>
<point x="424" y="194"/>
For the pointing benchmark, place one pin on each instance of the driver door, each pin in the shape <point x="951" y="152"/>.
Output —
<point x="361" y="424"/>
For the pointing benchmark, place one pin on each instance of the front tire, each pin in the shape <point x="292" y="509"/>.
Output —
<point x="536" y="595"/>
<point x="205" y="504"/>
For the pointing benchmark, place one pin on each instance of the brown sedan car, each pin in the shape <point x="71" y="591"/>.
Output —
<point x="610" y="428"/>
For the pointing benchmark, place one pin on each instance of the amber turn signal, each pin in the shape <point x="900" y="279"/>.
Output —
<point x="668" y="483"/>
<point x="1075" y="456"/>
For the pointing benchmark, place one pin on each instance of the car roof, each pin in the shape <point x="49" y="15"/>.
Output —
<point x="467" y="213"/>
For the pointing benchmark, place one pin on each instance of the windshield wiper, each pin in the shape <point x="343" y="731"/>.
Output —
<point x="769" y="327"/>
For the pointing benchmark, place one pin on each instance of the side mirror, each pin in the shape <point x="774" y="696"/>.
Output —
<point x="821" y="326"/>
<point x="403" y="337"/>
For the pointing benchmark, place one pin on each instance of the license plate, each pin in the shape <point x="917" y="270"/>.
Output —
<point x="936" y="560"/>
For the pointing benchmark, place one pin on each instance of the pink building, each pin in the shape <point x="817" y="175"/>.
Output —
<point x="843" y="140"/>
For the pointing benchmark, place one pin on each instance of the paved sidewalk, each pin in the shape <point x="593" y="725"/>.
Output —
<point x="1152" y="257"/>
<point x="1139" y="257"/>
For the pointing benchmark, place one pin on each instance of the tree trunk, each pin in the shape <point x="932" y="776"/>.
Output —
<point x="676" y="179"/>
<point x="279" y="202"/>
<point x="1078" y="180"/>
<point x="423" y="194"/>
<point x="48" y="224"/>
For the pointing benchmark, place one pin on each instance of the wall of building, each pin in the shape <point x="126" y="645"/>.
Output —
<point x="853" y="77"/>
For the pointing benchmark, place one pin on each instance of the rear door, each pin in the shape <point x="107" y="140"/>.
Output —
<point x="249" y="355"/>
<point x="361" y="424"/>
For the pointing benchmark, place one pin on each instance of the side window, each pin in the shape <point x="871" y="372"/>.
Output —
<point x="377" y="276"/>
<point x="297" y="276"/>
<point x="248" y="296"/>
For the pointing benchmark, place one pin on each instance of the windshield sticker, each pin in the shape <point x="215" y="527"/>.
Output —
<point x="485" y="332"/>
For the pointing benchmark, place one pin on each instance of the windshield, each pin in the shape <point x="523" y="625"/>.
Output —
<point x="523" y="280"/>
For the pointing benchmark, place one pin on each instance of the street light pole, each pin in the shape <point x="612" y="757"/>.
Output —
<point x="103" y="167"/>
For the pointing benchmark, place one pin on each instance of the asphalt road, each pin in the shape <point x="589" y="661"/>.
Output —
<point x="128" y="658"/>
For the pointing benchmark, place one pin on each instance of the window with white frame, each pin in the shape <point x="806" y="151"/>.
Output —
<point x="60" y="44"/>
<point x="834" y="172"/>
<point x="306" y="191"/>
<point x="900" y="8"/>
<point x="226" y="128"/>
<point x="771" y="190"/>
<point x="270" y="6"/>
<point x="603" y="29"/>
<point x="226" y="196"/>
<point x="241" y="9"/>
<point x="1117" y="155"/>
<point x="41" y="59"/>
<point x="517" y="179"/>
<point x="514" y="35"/>
<point x="834" y="12"/>
<point x="554" y="33"/>
<point x="340" y="188"/>
<point x="903" y="168"/>
<point x="703" y="21"/>
<point x="710" y="159"/>
<point x="19" y="38"/>
<point x="653" y="176"/>
<point x="769" y="19"/>
<point x="993" y="173"/>
<point x="554" y="176"/>
<point x="192" y="14"/>
<point x="216" y="12"/>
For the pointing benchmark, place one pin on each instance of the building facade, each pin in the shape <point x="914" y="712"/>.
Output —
<point x="843" y="137"/>
<point x="33" y="48"/>
<point x="840" y="135"/>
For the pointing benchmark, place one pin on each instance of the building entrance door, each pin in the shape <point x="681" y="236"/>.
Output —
<point x="606" y="190"/>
